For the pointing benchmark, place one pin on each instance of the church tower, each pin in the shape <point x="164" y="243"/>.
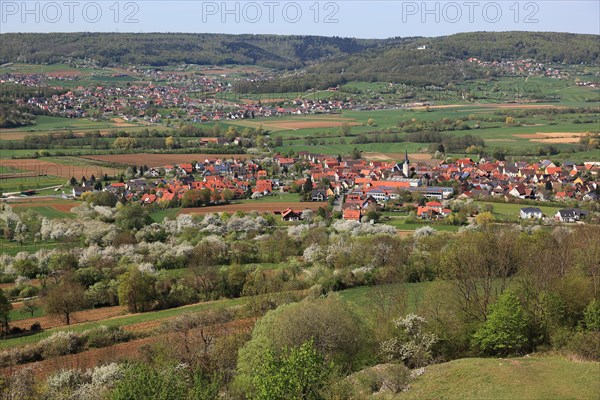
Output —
<point x="405" y="168"/>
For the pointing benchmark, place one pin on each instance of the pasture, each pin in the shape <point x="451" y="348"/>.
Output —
<point x="530" y="377"/>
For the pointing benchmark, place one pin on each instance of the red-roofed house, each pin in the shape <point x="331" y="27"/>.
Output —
<point x="352" y="214"/>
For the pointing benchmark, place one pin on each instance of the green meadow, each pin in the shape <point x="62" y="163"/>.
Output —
<point x="508" y="211"/>
<point x="530" y="377"/>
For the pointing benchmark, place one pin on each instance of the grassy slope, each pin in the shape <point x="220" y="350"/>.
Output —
<point x="519" y="378"/>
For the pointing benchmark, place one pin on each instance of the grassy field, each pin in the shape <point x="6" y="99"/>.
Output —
<point x="17" y="315"/>
<point x="511" y="211"/>
<point x="536" y="377"/>
<point x="51" y="212"/>
<point x="159" y="216"/>
<point x="12" y="248"/>
<point x="19" y="184"/>
<point x="49" y="123"/>
<point x="528" y="133"/>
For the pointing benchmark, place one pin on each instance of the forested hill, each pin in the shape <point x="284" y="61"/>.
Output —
<point x="436" y="61"/>
<point x="542" y="46"/>
<point x="287" y="52"/>
<point x="159" y="49"/>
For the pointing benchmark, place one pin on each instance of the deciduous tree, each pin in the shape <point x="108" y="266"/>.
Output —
<point x="505" y="330"/>
<point x="62" y="299"/>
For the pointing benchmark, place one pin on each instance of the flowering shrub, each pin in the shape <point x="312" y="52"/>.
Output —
<point x="412" y="345"/>
<point x="60" y="344"/>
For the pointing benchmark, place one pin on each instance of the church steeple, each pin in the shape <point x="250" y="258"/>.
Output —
<point x="405" y="166"/>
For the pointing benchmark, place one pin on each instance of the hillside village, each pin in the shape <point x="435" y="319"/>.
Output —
<point x="196" y="97"/>
<point x="185" y="97"/>
<point x="358" y="184"/>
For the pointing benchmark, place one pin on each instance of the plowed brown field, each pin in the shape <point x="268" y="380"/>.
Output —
<point x="160" y="160"/>
<point x="59" y="205"/>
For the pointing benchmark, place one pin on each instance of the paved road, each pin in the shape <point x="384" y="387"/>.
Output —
<point x="337" y="204"/>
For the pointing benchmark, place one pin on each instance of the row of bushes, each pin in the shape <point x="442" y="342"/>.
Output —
<point x="63" y="343"/>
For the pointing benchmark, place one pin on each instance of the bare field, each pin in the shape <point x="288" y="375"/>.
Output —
<point x="489" y="105"/>
<point x="120" y="122"/>
<point x="557" y="140"/>
<point x="160" y="160"/>
<point x="562" y="134"/>
<point x="419" y="157"/>
<point x="42" y="167"/>
<point x="519" y="105"/>
<point x="64" y="73"/>
<point x="259" y="206"/>
<point x="14" y="135"/>
<point x="552" y="137"/>
<point x="59" y="205"/>
<point x="9" y="285"/>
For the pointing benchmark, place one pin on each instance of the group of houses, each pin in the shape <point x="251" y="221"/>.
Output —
<point x="564" y="215"/>
<point x="367" y="184"/>
<point x="377" y="182"/>
<point x="175" y="91"/>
